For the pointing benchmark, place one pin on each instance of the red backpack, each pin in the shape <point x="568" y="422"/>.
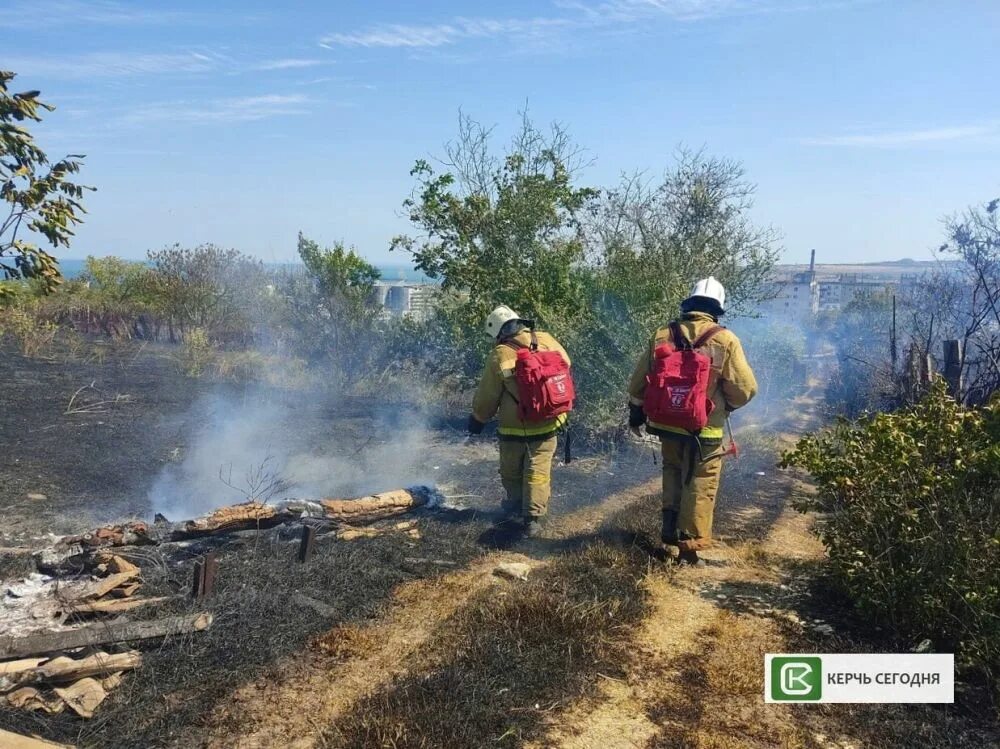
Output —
<point x="677" y="384"/>
<point x="544" y="385"/>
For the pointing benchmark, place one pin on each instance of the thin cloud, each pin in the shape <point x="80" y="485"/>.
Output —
<point x="290" y="63"/>
<point x="241" y="109"/>
<point x="47" y="13"/>
<point x="577" y="15"/>
<point x="116" y="64"/>
<point x="899" y="138"/>
<point x="401" y="35"/>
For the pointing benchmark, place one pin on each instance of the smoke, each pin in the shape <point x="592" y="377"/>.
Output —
<point x="251" y="446"/>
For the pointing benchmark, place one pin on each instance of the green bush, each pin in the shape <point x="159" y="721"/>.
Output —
<point x="31" y="335"/>
<point x="911" y="504"/>
<point x="197" y="352"/>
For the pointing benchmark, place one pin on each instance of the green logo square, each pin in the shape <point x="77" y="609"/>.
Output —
<point x="796" y="678"/>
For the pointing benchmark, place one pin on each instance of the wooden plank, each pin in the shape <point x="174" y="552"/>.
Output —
<point x="70" y="669"/>
<point x="307" y="543"/>
<point x="10" y="740"/>
<point x="126" y="590"/>
<point x="198" y="579"/>
<point x="15" y="667"/>
<point x="99" y="588"/>
<point x="211" y="571"/>
<point x="83" y="697"/>
<point x="114" y="605"/>
<point x="100" y="634"/>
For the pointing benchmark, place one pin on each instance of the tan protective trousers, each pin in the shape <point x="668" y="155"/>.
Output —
<point x="526" y="473"/>
<point x="689" y="488"/>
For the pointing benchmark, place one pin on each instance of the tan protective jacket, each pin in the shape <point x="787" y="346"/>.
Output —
<point x="497" y="391"/>
<point x="731" y="383"/>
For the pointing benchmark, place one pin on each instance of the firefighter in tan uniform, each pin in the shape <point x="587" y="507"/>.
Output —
<point x="526" y="450"/>
<point x="692" y="463"/>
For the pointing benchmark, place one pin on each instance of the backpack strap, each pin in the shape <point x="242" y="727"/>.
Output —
<point x="680" y="342"/>
<point x="511" y="343"/>
<point x="707" y="336"/>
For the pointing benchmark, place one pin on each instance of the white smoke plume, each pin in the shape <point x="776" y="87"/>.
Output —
<point x="252" y="447"/>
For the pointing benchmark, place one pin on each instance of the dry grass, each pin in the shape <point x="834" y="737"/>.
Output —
<point x="509" y="657"/>
<point x="711" y="696"/>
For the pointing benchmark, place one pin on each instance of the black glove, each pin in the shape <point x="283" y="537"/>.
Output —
<point x="636" y="416"/>
<point x="475" y="426"/>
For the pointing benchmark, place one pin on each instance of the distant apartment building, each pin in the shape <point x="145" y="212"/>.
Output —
<point x="801" y="293"/>
<point x="796" y="295"/>
<point x="404" y="298"/>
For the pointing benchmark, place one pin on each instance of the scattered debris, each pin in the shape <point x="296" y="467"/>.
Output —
<point x="128" y="534"/>
<point x="83" y="697"/>
<point x="29" y="698"/>
<point x="37" y="496"/>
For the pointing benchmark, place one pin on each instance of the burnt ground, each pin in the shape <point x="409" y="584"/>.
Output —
<point x="96" y="462"/>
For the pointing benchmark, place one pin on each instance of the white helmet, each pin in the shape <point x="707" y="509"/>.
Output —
<point x="498" y="318"/>
<point x="709" y="288"/>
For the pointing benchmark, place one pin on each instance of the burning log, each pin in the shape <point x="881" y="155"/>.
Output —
<point x="249" y="516"/>
<point x="376" y="506"/>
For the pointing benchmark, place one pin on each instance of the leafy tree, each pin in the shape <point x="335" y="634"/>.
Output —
<point x="343" y="278"/>
<point x="860" y="332"/>
<point x="973" y="316"/>
<point x="207" y="287"/>
<point x="41" y="197"/>
<point x="654" y="240"/>
<point x="501" y="229"/>
<point x="120" y="282"/>
<point x="331" y="313"/>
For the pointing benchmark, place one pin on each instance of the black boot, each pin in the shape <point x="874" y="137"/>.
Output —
<point x="690" y="557"/>
<point x="668" y="532"/>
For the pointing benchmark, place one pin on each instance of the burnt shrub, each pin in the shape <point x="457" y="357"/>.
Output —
<point x="911" y="511"/>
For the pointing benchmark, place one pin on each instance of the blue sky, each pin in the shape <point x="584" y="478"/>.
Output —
<point x="863" y="122"/>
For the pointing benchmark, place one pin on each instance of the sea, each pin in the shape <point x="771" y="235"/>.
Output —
<point x="73" y="267"/>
